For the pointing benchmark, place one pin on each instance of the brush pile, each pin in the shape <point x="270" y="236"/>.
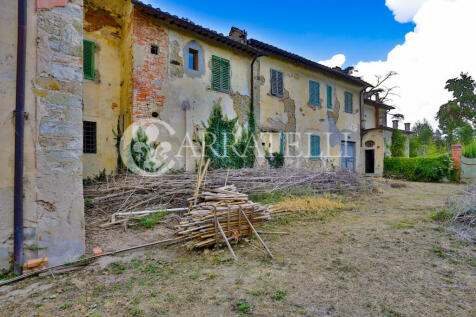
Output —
<point x="127" y="192"/>
<point x="217" y="213"/>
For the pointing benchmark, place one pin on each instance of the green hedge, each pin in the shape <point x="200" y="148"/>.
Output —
<point x="420" y="169"/>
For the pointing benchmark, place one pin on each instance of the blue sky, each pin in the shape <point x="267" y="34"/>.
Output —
<point x="361" y="30"/>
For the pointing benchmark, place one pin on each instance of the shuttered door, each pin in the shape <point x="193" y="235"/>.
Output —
<point x="315" y="146"/>
<point x="88" y="59"/>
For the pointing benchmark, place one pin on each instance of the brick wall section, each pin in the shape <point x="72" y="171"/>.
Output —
<point x="150" y="71"/>
<point x="456" y="153"/>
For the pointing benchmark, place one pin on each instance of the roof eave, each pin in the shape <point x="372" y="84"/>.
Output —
<point x="197" y="29"/>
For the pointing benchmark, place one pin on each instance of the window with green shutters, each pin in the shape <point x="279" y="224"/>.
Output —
<point x="220" y="74"/>
<point x="348" y="102"/>
<point x="88" y="59"/>
<point x="315" y="146"/>
<point x="314" y="94"/>
<point x="329" y="97"/>
<point x="276" y="81"/>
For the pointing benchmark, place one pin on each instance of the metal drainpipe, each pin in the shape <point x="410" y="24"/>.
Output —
<point x="19" y="136"/>
<point x="252" y="107"/>
<point x="361" y="114"/>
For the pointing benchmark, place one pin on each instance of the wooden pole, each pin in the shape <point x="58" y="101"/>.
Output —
<point x="256" y="233"/>
<point x="226" y="240"/>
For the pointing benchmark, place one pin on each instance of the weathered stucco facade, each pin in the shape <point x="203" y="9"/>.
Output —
<point x="53" y="203"/>
<point x="293" y="113"/>
<point x="148" y="64"/>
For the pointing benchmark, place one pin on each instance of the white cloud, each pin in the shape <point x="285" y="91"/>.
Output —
<point x="336" y="61"/>
<point x="441" y="46"/>
<point x="404" y="10"/>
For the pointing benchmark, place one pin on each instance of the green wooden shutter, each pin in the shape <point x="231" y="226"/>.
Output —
<point x="348" y="102"/>
<point x="225" y="75"/>
<point x="88" y="59"/>
<point x="329" y="97"/>
<point x="315" y="146"/>
<point x="216" y="73"/>
<point x="314" y="95"/>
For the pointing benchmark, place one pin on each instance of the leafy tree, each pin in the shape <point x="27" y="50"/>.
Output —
<point x="424" y="132"/>
<point x="461" y="110"/>
<point x="465" y="134"/>
<point x="415" y="146"/>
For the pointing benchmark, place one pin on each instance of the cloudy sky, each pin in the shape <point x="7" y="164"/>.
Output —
<point x="425" y="41"/>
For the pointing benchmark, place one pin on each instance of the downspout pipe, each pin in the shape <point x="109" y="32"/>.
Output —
<point x="252" y="106"/>
<point x="19" y="138"/>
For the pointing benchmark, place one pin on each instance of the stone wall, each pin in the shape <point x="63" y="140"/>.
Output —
<point x="58" y="88"/>
<point x="53" y="202"/>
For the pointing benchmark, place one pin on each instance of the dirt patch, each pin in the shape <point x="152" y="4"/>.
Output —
<point x="384" y="257"/>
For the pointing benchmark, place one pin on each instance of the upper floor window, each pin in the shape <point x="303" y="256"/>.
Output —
<point x="276" y="83"/>
<point x="88" y="59"/>
<point x="329" y="96"/>
<point x="348" y="102"/>
<point x="154" y="49"/>
<point x="314" y="93"/>
<point x="315" y="146"/>
<point x="220" y="74"/>
<point x="192" y="59"/>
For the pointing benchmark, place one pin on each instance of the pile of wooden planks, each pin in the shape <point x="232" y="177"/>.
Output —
<point x="221" y="215"/>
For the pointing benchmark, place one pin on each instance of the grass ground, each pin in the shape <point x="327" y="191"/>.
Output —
<point x="385" y="256"/>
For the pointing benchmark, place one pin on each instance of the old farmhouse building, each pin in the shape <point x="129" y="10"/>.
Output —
<point x="94" y="67"/>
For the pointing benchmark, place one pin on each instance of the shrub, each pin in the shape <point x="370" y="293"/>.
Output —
<point x="275" y="160"/>
<point x="469" y="151"/>
<point x="419" y="169"/>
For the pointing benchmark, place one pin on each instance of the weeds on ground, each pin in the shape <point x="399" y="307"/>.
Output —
<point x="149" y="222"/>
<point x="242" y="307"/>
<point x="279" y="295"/>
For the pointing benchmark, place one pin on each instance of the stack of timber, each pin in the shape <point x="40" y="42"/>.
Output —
<point x="220" y="213"/>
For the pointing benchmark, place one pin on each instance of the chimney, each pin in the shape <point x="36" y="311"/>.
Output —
<point x="407" y="127"/>
<point x="395" y="124"/>
<point x="238" y="35"/>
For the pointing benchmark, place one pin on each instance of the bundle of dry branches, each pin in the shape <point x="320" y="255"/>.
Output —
<point x="220" y="213"/>
<point x="128" y="192"/>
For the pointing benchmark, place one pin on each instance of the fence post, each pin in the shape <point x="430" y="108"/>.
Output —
<point x="456" y="154"/>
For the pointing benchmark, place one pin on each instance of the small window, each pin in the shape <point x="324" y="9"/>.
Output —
<point x="193" y="59"/>
<point x="314" y="94"/>
<point x="220" y="74"/>
<point x="154" y="49"/>
<point x="89" y="137"/>
<point x="315" y="146"/>
<point x="276" y="83"/>
<point x="88" y="59"/>
<point x="329" y="97"/>
<point x="348" y="102"/>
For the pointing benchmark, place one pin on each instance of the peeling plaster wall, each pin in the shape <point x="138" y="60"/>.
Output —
<point x="293" y="113"/>
<point x="369" y="117"/>
<point x="382" y="140"/>
<point x="104" y="22"/>
<point x="53" y="203"/>
<point x="162" y="83"/>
